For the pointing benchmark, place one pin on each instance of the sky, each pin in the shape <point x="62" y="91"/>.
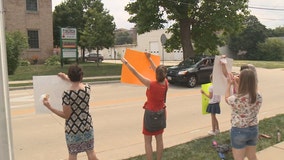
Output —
<point x="270" y="12"/>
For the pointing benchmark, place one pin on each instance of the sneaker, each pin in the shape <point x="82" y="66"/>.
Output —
<point x="211" y="133"/>
<point x="217" y="131"/>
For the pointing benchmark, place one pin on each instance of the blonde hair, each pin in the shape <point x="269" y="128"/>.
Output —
<point x="248" y="84"/>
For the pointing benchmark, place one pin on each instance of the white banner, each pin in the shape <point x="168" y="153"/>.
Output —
<point x="54" y="86"/>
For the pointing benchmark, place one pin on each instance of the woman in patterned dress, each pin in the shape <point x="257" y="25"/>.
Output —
<point x="245" y="106"/>
<point x="156" y="94"/>
<point x="79" y="132"/>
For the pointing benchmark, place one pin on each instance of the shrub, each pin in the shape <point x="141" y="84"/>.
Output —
<point x="16" y="42"/>
<point x="52" y="60"/>
<point x="271" y="50"/>
<point x="24" y="63"/>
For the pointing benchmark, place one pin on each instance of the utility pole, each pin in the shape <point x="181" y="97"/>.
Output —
<point x="6" y="144"/>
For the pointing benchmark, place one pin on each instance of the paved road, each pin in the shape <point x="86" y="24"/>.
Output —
<point x="117" y="114"/>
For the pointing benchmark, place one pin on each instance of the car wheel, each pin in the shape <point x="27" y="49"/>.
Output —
<point x="191" y="82"/>
<point x="100" y="60"/>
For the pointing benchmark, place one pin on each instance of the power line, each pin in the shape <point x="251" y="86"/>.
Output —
<point x="265" y="8"/>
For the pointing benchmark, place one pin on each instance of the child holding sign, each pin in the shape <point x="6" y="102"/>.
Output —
<point x="213" y="108"/>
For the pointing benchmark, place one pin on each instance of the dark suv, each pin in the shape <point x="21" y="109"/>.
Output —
<point x="190" y="73"/>
<point x="94" y="57"/>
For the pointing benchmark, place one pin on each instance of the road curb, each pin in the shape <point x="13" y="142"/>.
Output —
<point x="91" y="83"/>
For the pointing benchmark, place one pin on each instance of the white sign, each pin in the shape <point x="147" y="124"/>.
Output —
<point x="68" y="33"/>
<point x="69" y="53"/>
<point x="219" y="79"/>
<point x="54" y="86"/>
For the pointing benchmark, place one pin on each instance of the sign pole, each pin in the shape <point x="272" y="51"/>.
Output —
<point x="163" y="41"/>
<point x="6" y="147"/>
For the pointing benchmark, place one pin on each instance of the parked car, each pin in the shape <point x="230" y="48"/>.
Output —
<point x="190" y="73"/>
<point x="94" y="57"/>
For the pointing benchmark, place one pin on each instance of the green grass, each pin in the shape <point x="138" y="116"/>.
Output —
<point x="261" y="64"/>
<point x="201" y="149"/>
<point x="105" y="69"/>
<point x="90" y="70"/>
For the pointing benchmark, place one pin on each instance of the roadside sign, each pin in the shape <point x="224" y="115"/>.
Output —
<point x="68" y="43"/>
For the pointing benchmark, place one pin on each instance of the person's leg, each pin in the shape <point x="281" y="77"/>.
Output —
<point x="148" y="147"/>
<point x="251" y="152"/>
<point x="216" y="123"/>
<point x="239" y="154"/>
<point x="213" y="121"/>
<point x="72" y="157"/>
<point x="159" y="145"/>
<point x="91" y="155"/>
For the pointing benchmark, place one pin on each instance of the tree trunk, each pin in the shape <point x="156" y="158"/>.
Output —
<point x="97" y="57"/>
<point x="185" y="34"/>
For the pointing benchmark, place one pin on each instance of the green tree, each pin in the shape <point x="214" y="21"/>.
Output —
<point x="254" y="32"/>
<point x="16" y="43"/>
<point x="123" y="37"/>
<point x="271" y="50"/>
<point x="81" y="14"/>
<point x="192" y="21"/>
<point x="68" y="14"/>
<point x="99" y="29"/>
<point x="278" y="32"/>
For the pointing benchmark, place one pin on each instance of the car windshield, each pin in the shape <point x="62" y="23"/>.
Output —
<point x="187" y="63"/>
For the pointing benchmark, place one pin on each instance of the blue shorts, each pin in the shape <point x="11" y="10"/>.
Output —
<point x="242" y="137"/>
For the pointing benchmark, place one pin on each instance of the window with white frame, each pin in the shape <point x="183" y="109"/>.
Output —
<point x="31" y="5"/>
<point x="33" y="39"/>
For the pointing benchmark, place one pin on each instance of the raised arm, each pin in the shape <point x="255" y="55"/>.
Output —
<point x="223" y="63"/>
<point x="141" y="78"/>
<point x="63" y="76"/>
<point x="230" y="80"/>
<point x="153" y="65"/>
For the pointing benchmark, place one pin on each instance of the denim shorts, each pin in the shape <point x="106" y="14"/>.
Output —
<point x="242" y="137"/>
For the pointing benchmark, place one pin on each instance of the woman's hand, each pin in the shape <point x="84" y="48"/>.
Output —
<point x="123" y="60"/>
<point x="223" y="60"/>
<point x="230" y="79"/>
<point x="148" y="55"/>
<point x="46" y="103"/>
<point x="63" y="76"/>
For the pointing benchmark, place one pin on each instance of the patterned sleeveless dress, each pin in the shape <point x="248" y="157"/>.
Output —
<point x="79" y="131"/>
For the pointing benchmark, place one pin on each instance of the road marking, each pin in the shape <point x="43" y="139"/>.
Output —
<point x="27" y="105"/>
<point x="194" y="131"/>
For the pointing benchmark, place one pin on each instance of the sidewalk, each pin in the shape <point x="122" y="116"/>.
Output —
<point x="95" y="80"/>
<point x="275" y="152"/>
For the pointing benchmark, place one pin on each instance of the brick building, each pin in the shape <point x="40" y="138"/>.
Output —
<point x="34" y="19"/>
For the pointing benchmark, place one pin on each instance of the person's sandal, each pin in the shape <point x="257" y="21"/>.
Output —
<point x="265" y="136"/>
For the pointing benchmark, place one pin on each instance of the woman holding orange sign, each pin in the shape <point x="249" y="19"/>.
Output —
<point x="154" y="106"/>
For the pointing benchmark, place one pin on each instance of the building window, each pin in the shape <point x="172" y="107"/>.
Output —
<point x="31" y="5"/>
<point x="33" y="39"/>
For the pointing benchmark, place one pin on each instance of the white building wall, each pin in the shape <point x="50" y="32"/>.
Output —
<point x="151" y="42"/>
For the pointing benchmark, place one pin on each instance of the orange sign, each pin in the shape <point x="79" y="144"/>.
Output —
<point x="141" y="63"/>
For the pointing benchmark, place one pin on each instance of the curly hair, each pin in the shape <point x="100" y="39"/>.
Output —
<point x="75" y="73"/>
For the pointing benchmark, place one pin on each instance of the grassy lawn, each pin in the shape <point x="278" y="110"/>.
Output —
<point x="105" y="69"/>
<point x="201" y="149"/>
<point x="261" y="64"/>
<point x="90" y="70"/>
